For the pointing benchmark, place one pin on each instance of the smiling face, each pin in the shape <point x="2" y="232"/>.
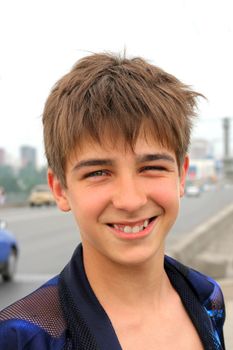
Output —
<point x="124" y="201"/>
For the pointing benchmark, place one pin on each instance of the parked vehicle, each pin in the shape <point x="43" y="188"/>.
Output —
<point x="192" y="190"/>
<point x="9" y="251"/>
<point x="41" y="195"/>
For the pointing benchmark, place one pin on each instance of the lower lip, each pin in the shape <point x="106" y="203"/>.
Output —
<point x="137" y="235"/>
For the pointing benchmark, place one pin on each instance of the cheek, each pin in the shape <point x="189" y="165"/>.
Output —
<point x="167" y="195"/>
<point x="88" y="205"/>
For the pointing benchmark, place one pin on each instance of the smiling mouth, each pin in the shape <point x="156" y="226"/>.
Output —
<point x="133" y="228"/>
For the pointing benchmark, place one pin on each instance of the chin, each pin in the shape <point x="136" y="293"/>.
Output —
<point x="137" y="256"/>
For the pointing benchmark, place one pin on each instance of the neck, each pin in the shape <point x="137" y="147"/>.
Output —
<point x="116" y="284"/>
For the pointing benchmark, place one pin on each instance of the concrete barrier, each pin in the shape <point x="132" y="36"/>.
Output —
<point x="194" y="248"/>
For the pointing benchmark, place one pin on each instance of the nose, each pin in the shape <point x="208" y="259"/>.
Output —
<point x="129" y="195"/>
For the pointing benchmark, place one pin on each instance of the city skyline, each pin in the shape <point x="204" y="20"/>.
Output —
<point x="27" y="155"/>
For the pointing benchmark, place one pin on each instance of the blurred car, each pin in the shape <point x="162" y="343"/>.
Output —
<point x="9" y="251"/>
<point x="192" y="190"/>
<point x="41" y="195"/>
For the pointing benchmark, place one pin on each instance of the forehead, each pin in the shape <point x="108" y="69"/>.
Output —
<point x="118" y="148"/>
<point x="109" y="137"/>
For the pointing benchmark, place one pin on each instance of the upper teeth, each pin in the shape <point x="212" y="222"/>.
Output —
<point x="132" y="229"/>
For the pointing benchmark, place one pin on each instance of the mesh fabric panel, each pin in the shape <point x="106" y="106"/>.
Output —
<point x="80" y="336"/>
<point x="192" y="306"/>
<point x="41" y="308"/>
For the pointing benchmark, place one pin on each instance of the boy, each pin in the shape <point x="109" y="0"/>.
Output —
<point x="116" y="134"/>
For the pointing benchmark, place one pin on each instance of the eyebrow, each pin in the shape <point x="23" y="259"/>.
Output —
<point x="109" y="162"/>
<point x="93" y="162"/>
<point x="155" y="156"/>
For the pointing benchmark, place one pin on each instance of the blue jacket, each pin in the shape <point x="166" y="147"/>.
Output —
<point x="64" y="313"/>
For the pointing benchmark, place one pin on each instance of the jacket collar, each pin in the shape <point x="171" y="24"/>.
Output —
<point x="88" y="322"/>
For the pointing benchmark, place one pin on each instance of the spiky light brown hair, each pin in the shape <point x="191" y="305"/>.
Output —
<point x="108" y="93"/>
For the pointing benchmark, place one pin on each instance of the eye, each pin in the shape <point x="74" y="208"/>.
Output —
<point x="97" y="173"/>
<point x="154" y="168"/>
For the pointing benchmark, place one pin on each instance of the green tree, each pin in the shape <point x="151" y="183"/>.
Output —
<point x="28" y="177"/>
<point x="8" y="179"/>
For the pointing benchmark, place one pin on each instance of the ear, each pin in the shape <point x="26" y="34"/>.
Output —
<point x="183" y="174"/>
<point x="58" y="191"/>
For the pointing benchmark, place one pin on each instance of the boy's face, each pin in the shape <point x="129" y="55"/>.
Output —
<point x="124" y="202"/>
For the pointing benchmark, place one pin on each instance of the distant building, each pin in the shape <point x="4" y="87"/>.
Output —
<point x="201" y="149"/>
<point x="27" y="156"/>
<point x="2" y="156"/>
<point x="202" y="171"/>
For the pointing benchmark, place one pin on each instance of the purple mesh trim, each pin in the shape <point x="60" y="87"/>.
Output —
<point x="41" y="308"/>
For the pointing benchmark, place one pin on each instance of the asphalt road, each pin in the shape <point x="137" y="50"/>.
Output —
<point x="47" y="238"/>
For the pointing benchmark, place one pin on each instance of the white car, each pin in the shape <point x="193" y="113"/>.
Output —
<point x="192" y="190"/>
<point x="41" y="195"/>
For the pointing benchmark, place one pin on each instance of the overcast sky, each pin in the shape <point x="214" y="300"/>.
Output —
<point x="41" y="40"/>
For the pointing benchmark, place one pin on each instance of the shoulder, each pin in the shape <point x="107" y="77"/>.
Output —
<point x="206" y="289"/>
<point x="34" y="322"/>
